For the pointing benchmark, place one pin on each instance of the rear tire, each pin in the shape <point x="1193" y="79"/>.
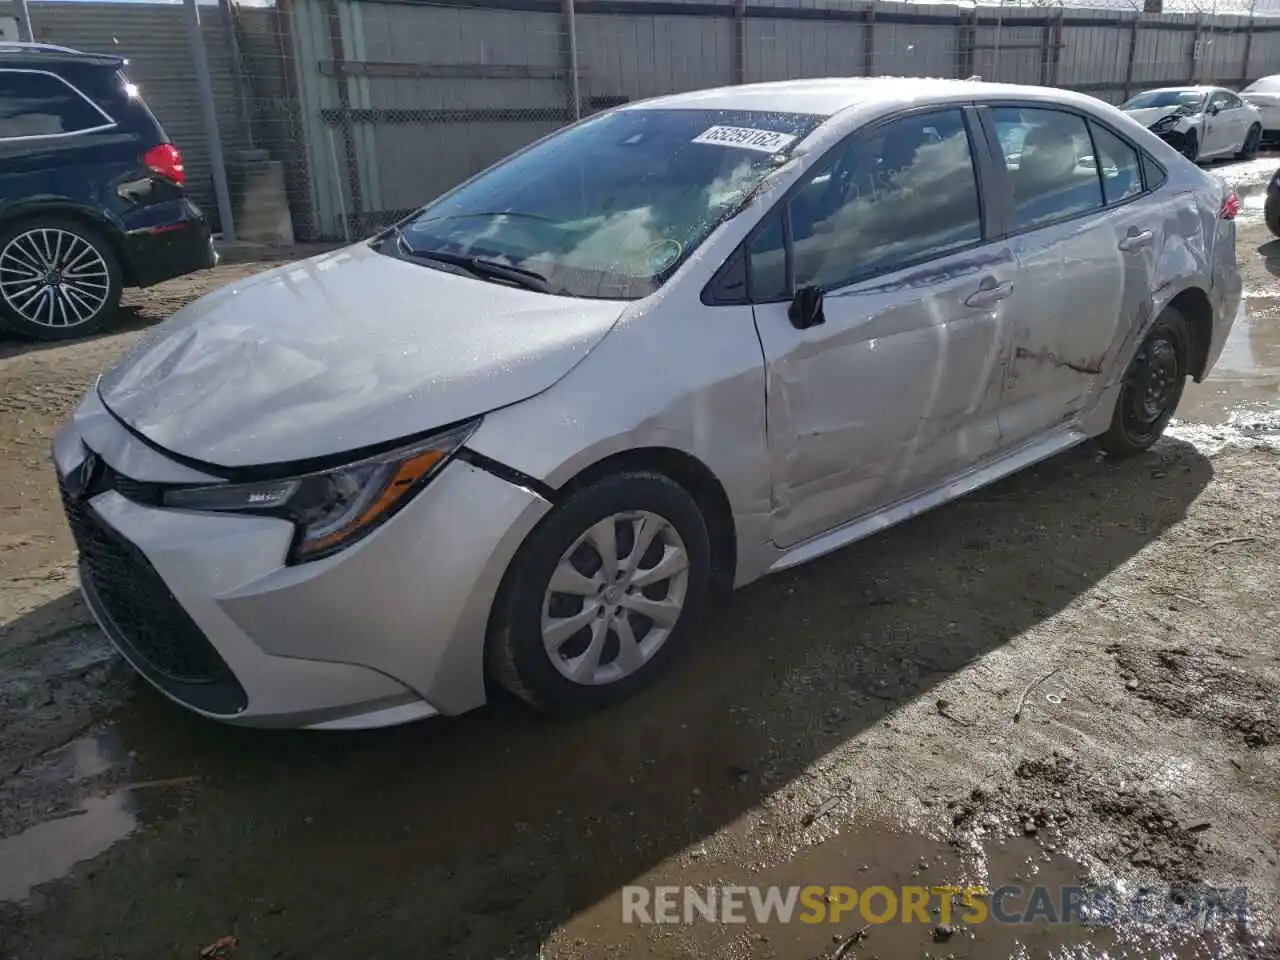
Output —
<point x="1151" y="388"/>
<point x="59" y="278"/>
<point x="1252" y="143"/>
<point x="569" y="633"/>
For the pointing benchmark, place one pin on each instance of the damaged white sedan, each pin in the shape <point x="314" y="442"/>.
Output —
<point x="1202" y="123"/>
<point x="518" y="437"/>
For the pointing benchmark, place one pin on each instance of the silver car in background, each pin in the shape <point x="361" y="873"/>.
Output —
<point x="675" y="347"/>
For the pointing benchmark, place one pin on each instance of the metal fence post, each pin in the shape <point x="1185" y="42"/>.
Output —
<point x="571" y="35"/>
<point x="209" y="111"/>
<point x="25" y="32"/>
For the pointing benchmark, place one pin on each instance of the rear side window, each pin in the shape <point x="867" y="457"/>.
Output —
<point x="38" y="104"/>
<point x="1152" y="172"/>
<point x="1051" y="164"/>
<point x="901" y="194"/>
<point x="1118" y="165"/>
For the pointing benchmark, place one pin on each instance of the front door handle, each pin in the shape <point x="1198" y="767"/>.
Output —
<point x="989" y="292"/>
<point x="1136" y="240"/>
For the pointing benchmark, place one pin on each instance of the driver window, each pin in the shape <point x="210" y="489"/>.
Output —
<point x="902" y="194"/>
<point x="1219" y="101"/>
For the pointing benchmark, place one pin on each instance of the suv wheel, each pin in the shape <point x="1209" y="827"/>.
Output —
<point x="602" y="595"/>
<point x="1151" y="388"/>
<point x="58" y="279"/>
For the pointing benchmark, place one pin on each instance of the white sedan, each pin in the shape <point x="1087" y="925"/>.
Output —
<point x="1264" y="96"/>
<point x="1203" y="123"/>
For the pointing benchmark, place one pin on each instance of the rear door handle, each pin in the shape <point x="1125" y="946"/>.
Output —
<point x="1136" y="241"/>
<point x="989" y="292"/>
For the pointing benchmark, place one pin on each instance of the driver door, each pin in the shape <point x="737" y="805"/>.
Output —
<point x="897" y="386"/>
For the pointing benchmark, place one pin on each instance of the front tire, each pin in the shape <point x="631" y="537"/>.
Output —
<point x="1151" y="388"/>
<point x="59" y="279"/>
<point x="601" y="597"/>
<point x="1252" y="143"/>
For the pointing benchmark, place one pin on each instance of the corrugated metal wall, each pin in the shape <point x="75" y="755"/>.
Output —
<point x="375" y="107"/>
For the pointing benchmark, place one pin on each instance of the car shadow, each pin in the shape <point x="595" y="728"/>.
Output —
<point x="474" y="836"/>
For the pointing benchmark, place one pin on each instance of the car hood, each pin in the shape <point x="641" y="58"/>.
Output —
<point x="1150" y="115"/>
<point x="343" y="351"/>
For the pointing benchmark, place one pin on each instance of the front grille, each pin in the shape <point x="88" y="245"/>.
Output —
<point x="149" y="623"/>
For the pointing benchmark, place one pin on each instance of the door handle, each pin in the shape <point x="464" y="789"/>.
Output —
<point x="989" y="292"/>
<point x="1136" y="240"/>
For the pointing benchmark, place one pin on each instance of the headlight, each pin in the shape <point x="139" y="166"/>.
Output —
<point x="332" y="509"/>
<point x="1165" y="124"/>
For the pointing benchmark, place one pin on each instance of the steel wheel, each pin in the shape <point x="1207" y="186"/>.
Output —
<point x="615" y="597"/>
<point x="1151" y="388"/>
<point x="57" y="279"/>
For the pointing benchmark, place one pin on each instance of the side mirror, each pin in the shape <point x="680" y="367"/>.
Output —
<point x="1215" y="109"/>
<point x="806" y="308"/>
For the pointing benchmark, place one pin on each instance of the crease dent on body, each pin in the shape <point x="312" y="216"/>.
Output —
<point x="1091" y="367"/>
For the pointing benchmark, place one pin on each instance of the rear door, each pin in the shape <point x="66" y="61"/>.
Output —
<point x="898" y="387"/>
<point x="1085" y="247"/>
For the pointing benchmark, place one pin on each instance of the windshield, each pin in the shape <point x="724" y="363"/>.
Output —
<point x="1265" y="85"/>
<point x="1165" y="98"/>
<point x="607" y="209"/>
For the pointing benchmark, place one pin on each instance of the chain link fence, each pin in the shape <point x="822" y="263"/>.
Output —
<point x="355" y="112"/>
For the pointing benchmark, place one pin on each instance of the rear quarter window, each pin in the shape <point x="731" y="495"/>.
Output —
<point x="39" y="104"/>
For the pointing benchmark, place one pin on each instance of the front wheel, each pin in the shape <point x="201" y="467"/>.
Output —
<point x="1151" y="388"/>
<point x="58" y="279"/>
<point x="602" y="595"/>
<point x="1252" y="143"/>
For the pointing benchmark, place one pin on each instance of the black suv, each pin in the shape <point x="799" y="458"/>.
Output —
<point x="91" y="193"/>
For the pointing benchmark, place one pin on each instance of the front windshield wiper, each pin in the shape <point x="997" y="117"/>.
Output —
<point x="481" y="267"/>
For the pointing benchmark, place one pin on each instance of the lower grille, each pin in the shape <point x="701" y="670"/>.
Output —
<point x="150" y="625"/>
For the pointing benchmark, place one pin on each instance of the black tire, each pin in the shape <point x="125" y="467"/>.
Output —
<point x="99" y="309"/>
<point x="516" y="654"/>
<point x="1252" y="143"/>
<point x="1190" y="146"/>
<point x="1151" y="388"/>
<point x="1271" y="212"/>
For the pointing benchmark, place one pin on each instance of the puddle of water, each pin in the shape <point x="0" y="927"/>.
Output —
<point x="864" y="857"/>
<point x="1248" y="371"/>
<point x="49" y="851"/>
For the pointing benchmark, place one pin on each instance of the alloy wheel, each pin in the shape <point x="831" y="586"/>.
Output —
<point x="54" y="278"/>
<point x="614" y="597"/>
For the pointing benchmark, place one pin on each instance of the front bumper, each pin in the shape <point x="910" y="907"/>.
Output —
<point x="204" y="608"/>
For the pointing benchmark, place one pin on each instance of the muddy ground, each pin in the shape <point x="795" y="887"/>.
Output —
<point x="1073" y="676"/>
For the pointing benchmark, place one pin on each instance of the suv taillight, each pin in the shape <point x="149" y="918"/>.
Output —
<point x="1230" y="206"/>
<point x="166" y="160"/>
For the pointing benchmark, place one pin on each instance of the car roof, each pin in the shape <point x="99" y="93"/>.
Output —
<point x="41" y="56"/>
<point x="829" y="96"/>
<point x="1183" y="89"/>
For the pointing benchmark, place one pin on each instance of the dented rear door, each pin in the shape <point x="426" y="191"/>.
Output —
<point x="1084" y="282"/>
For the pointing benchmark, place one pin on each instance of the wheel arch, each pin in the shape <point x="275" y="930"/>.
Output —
<point x="1194" y="305"/>
<point x="696" y="478"/>
<point x="87" y="216"/>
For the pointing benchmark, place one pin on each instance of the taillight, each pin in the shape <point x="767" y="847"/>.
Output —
<point x="166" y="160"/>
<point x="1230" y="206"/>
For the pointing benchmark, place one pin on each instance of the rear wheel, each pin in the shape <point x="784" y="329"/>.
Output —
<point x="1151" y="388"/>
<point x="602" y="595"/>
<point x="58" y="279"/>
<point x="1252" y="143"/>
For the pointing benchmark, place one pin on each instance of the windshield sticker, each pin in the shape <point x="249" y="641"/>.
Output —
<point x="765" y="141"/>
